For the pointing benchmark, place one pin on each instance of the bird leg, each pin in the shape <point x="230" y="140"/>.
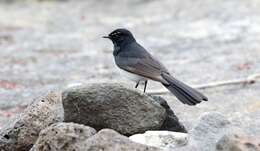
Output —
<point x="145" y="84"/>
<point x="137" y="84"/>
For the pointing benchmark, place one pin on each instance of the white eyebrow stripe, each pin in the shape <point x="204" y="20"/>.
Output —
<point x="115" y="33"/>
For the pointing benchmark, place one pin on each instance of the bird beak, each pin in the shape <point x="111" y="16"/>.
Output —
<point x="106" y="37"/>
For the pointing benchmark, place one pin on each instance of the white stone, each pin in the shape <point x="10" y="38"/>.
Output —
<point x="161" y="139"/>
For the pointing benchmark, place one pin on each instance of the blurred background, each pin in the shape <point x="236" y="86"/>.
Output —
<point x="49" y="44"/>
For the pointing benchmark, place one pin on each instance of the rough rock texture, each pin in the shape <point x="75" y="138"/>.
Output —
<point x="75" y="137"/>
<point x="171" y="122"/>
<point x="63" y="137"/>
<point x="161" y="139"/>
<point x="110" y="140"/>
<point x="24" y="130"/>
<point x="211" y="128"/>
<point x="236" y="142"/>
<point x="107" y="105"/>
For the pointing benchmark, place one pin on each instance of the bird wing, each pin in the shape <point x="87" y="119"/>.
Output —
<point x="147" y="67"/>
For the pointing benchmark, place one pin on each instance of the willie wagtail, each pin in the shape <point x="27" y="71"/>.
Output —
<point x="141" y="66"/>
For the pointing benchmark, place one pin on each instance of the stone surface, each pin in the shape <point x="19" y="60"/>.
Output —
<point x="63" y="137"/>
<point x="209" y="129"/>
<point x="70" y="137"/>
<point x="161" y="139"/>
<point x="22" y="132"/>
<point x="111" y="105"/>
<point x="209" y="126"/>
<point x="171" y="122"/>
<point x="237" y="142"/>
<point x="110" y="140"/>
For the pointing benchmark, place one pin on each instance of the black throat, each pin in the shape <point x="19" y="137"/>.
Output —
<point x="120" y="46"/>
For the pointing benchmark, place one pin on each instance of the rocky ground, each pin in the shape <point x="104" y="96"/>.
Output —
<point x="48" y="45"/>
<point x="110" y="113"/>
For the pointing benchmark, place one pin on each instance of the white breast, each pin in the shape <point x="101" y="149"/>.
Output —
<point x="131" y="76"/>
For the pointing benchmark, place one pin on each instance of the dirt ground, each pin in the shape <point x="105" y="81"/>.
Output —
<point x="47" y="45"/>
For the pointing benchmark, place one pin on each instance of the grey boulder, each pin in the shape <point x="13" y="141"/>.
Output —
<point x="76" y="137"/>
<point x="63" y="137"/>
<point x="111" y="105"/>
<point x="22" y="133"/>
<point x="211" y="128"/>
<point x="110" y="140"/>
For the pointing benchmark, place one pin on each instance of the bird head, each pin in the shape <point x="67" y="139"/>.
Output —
<point x="120" y="36"/>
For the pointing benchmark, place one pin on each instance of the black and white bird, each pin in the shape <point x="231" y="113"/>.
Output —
<point x="140" y="65"/>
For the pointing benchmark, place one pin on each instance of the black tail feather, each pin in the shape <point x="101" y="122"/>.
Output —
<point x="183" y="92"/>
